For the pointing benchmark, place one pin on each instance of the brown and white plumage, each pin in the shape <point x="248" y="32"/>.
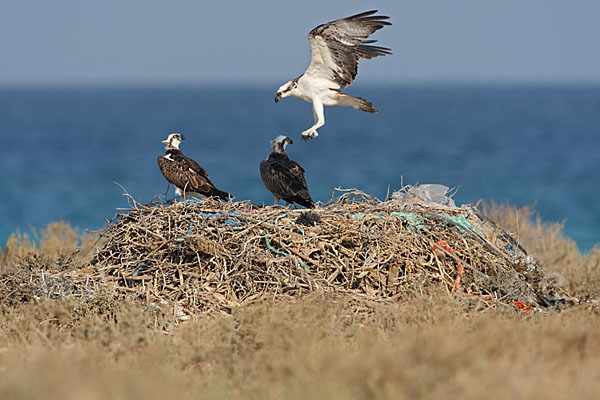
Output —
<point x="188" y="177"/>
<point x="283" y="177"/>
<point x="335" y="49"/>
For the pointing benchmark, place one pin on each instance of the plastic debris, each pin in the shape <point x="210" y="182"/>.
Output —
<point x="139" y="269"/>
<point x="430" y="194"/>
<point x="233" y="222"/>
<point x="180" y="313"/>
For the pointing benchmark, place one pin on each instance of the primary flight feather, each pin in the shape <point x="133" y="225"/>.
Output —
<point x="335" y="49"/>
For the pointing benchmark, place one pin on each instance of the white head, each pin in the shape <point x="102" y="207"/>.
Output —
<point x="279" y="143"/>
<point x="173" y="140"/>
<point x="286" y="90"/>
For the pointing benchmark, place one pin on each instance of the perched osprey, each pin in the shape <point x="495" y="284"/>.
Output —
<point x="335" y="49"/>
<point x="284" y="177"/>
<point x="188" y="177"/>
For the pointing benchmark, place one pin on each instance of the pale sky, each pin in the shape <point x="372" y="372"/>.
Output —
<point x="255" y="42"/>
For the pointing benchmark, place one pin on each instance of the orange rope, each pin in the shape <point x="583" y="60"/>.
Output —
<point x="524" y="308"/>
<point x="443" y="244"/>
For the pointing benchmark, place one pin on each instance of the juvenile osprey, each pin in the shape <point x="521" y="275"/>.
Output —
<point x="335" y="49"/>
<point x="284" y="177"/>
<point x="188" y="177"/>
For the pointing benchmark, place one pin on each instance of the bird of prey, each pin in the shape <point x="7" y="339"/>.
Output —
<point x="335" y="49"/>
<point x="188" y="177"/>
<point x="284" y="177"/>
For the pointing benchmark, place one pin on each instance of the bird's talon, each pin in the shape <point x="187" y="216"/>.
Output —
<point x="307" y="135"/>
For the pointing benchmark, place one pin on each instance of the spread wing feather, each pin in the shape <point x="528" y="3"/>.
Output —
<point x="337" y="46"/>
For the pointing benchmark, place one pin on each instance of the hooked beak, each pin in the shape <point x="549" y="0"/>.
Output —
<point x="290" y="141"/>
<point x="277" y="97"/>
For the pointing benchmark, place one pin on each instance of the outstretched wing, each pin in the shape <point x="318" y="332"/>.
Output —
<point x="336" y="47"/>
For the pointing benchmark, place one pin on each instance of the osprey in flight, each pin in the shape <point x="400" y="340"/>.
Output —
<point x="188" y="177"/>
<point x="284" y="177"/>
<point x="335" y="49"/>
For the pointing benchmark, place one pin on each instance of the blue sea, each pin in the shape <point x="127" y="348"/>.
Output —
<point x="64" y="149"/>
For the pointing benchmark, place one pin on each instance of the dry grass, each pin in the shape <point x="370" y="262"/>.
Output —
<point x="314" y="347"/>
<point x="547" y="243"/>
<point x="48" y="247"/>
<point x="322" y="345"/>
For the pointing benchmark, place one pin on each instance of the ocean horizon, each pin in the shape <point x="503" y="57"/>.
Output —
<point x="65" y="147"/>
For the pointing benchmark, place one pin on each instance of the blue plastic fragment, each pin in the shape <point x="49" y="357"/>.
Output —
<point x="229" y="221"/>
<point x="139" y="269"/>
<point x="415" y="222"/>
<point x="464" y="225"/>
<point x="232" y="222"/>
<point x="191" y="228"/>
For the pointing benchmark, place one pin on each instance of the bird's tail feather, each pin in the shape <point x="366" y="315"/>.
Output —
<point x="303" y="198"/>
<point x="356" y="102"/>
<point x="303" y="201"/>
<point x="222" y="195"/>
<point x="364" y="105"/>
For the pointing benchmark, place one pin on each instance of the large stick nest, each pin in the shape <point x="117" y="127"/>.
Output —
<point x="209" y="255"/>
